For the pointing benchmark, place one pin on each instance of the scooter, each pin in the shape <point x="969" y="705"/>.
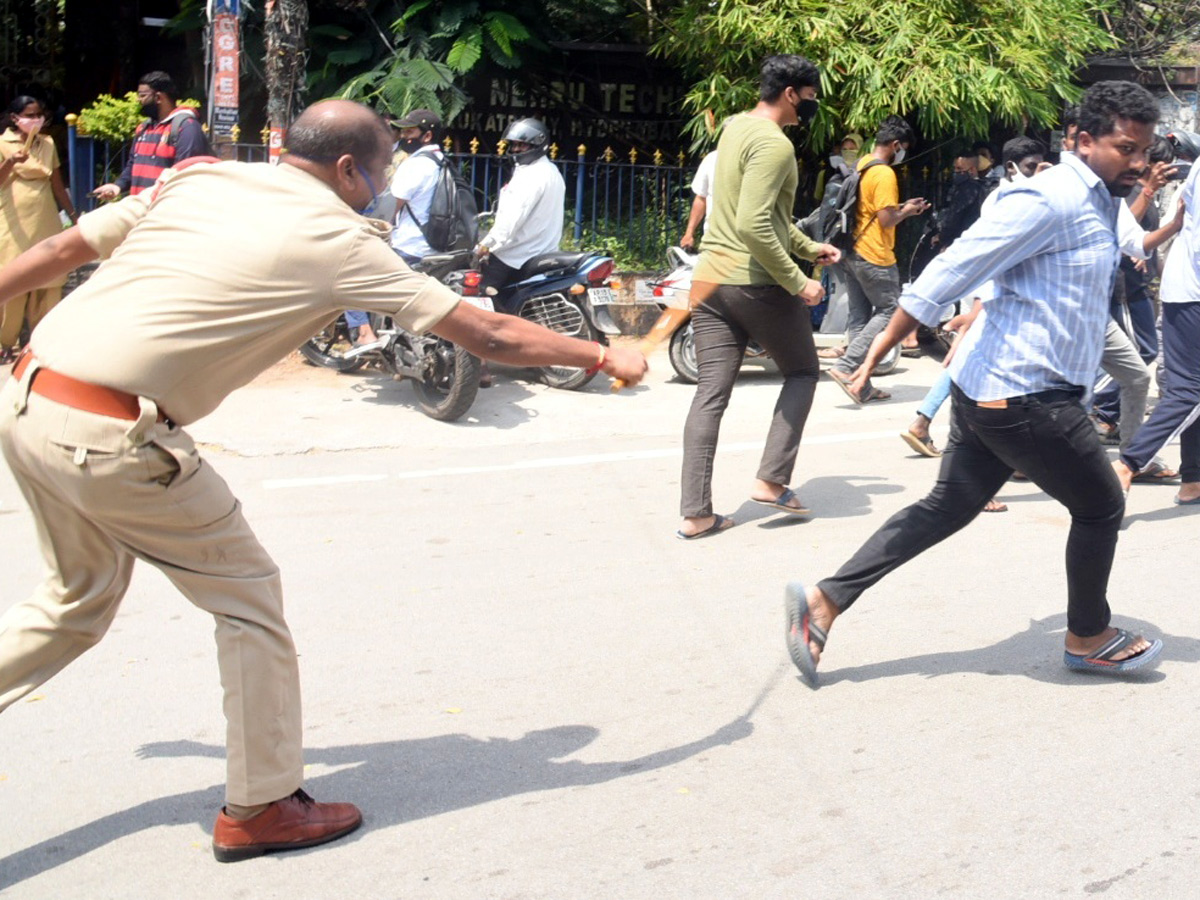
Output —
<point x="672" y="290"/>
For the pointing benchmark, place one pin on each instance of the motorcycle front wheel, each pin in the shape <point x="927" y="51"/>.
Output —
<point x="683" y="354"/>
<point x="450" y="382"/>
<point x="327" y="348"/>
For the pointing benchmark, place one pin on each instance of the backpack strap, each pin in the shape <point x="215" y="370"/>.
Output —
<point x="442" y="161"/>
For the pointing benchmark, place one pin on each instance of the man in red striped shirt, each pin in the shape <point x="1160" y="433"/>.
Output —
<point x="171" y="134"/>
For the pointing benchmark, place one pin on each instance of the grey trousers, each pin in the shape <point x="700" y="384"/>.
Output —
<point x="1124" y="365"/>
<point x="782" y="324"/>
<point x="873" y="294"/>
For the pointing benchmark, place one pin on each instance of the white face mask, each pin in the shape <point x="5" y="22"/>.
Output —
<point x="899" y="157"/>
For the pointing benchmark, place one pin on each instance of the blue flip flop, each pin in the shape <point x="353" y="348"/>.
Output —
<point x="1102" y="660"/>
<point x="1195" y="501"/>
<point x="781" y="503"/>
<point x="720" y="523"/>
<point x="800" y="631"/>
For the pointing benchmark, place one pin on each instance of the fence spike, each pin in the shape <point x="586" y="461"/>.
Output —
<point x="501" y="146"/>
<point x="581" y="150"/>
<point x="633" y="155"/>
<point x="682" y="159"/>
<point x="265" y="134"/>
<point x="658" y="157"/>
<point x="474" y="145"/>
<point x="448" y="144"/>
<point x="554" y="151"/>
<point x="608" y="154"/>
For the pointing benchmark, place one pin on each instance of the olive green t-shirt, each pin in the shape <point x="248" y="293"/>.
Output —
<point x="749" y="236"/>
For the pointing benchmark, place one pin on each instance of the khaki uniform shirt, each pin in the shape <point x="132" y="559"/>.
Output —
<point x="28" y="211"/>
<point x="216" y="276"/>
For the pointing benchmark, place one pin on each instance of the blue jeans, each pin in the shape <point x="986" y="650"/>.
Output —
<point x="936" y="397"/>
<point x="356" y="318"/>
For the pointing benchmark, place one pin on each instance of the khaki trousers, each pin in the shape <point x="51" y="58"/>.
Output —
<point x="104" y="492"/>
<point x="32" y="306"/>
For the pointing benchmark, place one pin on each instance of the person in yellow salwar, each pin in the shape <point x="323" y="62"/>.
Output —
<point x="31" y="192"/>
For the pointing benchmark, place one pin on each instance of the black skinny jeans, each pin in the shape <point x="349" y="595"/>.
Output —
<point x="1048" y="437"/>
<point x="722" y="325"/>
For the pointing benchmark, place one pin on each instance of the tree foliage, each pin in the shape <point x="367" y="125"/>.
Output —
<point x="956" y="66"/>
<point x="1166" y="31"/>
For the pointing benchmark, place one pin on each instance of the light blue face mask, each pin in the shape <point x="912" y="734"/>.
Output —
<point x="382" y="204"/>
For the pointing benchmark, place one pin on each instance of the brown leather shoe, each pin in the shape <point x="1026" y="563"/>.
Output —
<point x="288" y="824"/>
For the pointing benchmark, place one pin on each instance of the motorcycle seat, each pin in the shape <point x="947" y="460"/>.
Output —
<point x="551" y="262"/>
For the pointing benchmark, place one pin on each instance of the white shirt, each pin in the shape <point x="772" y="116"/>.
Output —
<point x="414" y="183"/>
<point x="1181" y="271"/>
<point x="702" y="183"/>
<point x="529" y="214"/>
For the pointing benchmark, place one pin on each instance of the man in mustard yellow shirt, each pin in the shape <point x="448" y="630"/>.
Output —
<point x="873" y="279"/>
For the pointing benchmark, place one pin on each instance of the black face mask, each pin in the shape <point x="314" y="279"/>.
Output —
<point x="806" y="110"/>
<point x="411" y="145"/>
<point x="150" y="109"/>
<point x="962" y="177"/>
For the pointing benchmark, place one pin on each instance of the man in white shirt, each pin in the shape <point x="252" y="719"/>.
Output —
<point x="702" y="187"/>
<point x="529" y="214"/>
<point x="414" y="182"/>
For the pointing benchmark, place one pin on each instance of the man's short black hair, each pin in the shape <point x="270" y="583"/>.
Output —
<point x="783" y="71"/>
<point x="895" y="128"/>
<point x="1107" y="101"/>
<point x="161" y="82"/>
<point x="1019" y="148"/>
<point x="323" y="138"/>
<point x="1070" y="117"/>
<point x="1160" y="151"/>
<point x="965" y="150"/>
<point x="984" y="145"/>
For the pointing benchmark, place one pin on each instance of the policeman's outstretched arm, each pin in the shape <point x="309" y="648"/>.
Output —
<point x="45" y="262"/>
<point x="517" y="342"/>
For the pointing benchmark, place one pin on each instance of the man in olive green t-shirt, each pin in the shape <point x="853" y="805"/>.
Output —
<point x="747" y="285"/>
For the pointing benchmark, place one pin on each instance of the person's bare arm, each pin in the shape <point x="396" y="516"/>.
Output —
<point x="891" y="216"/>
<point x="517" y="342"/>
<point x="699" y="207"/>
<point x="45" y="262"/>
<point x="1158" y="176"/>
<point x="1158" y="237"/>
<point x="900" y="324"/>
<point x="60" y="194"/>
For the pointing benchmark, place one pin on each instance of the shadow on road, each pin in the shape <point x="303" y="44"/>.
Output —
<point x="393" y="781"/>
<point x="1033" y="653"/>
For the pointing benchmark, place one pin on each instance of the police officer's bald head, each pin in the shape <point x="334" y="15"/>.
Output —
<point x="334" y="128"/>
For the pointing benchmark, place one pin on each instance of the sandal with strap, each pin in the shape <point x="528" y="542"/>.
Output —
<point x="801" y="630"/>
<point x="783" y="503"/>
<point x="1102" y="660"/>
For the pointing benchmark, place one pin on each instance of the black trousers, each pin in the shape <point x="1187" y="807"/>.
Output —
<point x="1049" y="438"/>
<point x="722" y="326"/>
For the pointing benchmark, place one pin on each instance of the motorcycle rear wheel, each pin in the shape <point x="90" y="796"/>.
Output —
<point x="683" y="354"/>
<point x="327" y="348"/>
<point x="565" y="317"/>
<point x="450" y="384"/>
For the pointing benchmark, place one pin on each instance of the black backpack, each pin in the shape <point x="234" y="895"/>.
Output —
<point x="842" y="228"/>
<point x="452" y="221"/>
<point x="818" y="224"/>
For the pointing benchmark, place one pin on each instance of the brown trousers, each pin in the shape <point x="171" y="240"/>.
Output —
<point x="105" y="492"/>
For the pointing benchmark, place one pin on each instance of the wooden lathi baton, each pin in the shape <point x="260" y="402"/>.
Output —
<point x="668" y="321"/>
<point x="29" y="138"/>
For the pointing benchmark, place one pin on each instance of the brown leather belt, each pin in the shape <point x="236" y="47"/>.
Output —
<point x="81" y="395"/>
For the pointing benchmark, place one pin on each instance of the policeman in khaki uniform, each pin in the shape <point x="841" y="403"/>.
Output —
<point x="209" y="279"/>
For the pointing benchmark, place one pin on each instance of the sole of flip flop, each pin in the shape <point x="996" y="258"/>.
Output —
<point x="1141" y="661"/>
<point x="795" y="601"/>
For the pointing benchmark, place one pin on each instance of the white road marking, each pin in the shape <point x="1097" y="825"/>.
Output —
<point x="557" y="462"/>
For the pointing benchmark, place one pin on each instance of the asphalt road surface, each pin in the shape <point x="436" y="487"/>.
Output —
<point x="534" y="690"/>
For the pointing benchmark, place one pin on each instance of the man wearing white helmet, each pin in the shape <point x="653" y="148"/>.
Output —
<point x="529" y="214"/>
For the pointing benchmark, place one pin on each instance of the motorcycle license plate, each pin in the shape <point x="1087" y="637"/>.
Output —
<point x="482" y="303"/>
<point x="601" y="296"/>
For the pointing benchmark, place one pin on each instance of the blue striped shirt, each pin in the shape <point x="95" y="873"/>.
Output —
<point x="1050" y="247"/>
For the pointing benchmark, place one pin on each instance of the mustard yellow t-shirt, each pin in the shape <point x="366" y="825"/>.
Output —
<point x="877" y="189"/>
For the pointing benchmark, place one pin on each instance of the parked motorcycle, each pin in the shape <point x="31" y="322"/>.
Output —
<point x="445" y="376"/>
<point x="672" y="290"/>
<point x="569" y="293"/>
